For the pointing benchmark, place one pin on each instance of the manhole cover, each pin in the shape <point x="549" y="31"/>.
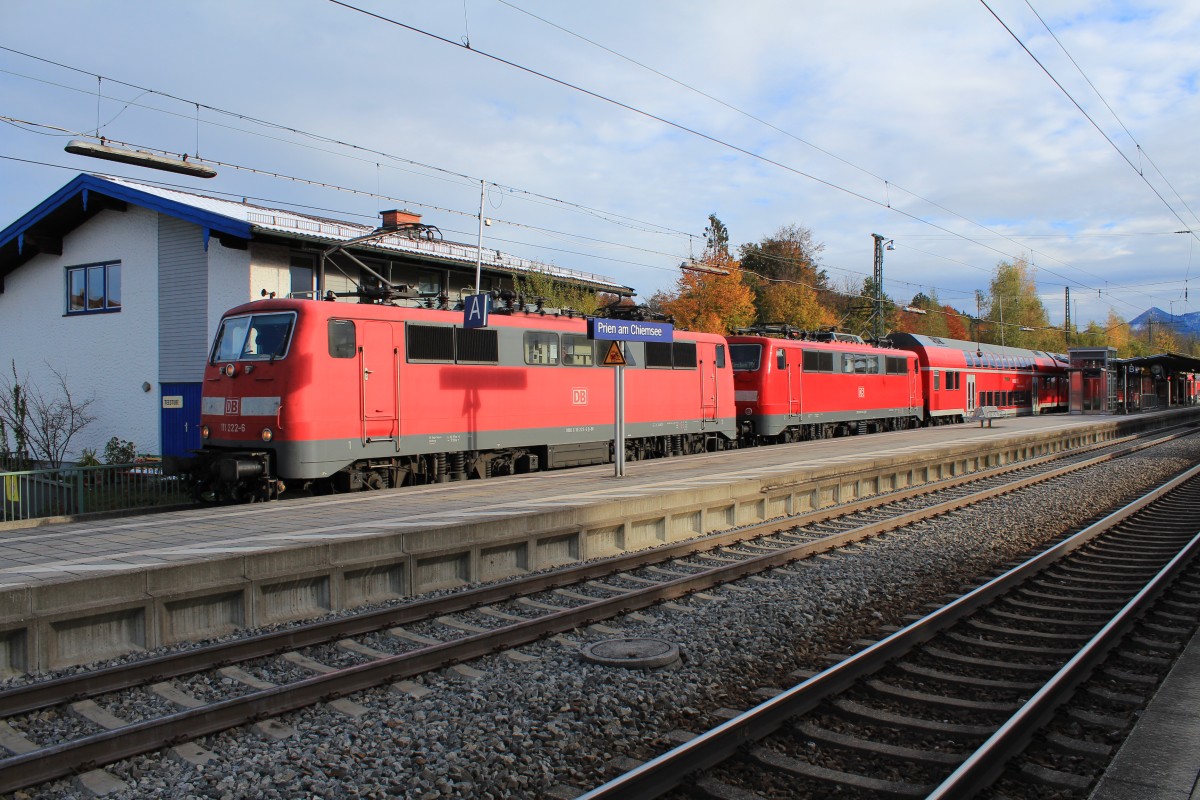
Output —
<point x="632" y="653"/>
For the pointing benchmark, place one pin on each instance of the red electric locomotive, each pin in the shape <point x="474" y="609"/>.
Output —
<point x="793" y="385"/>
<point x="959" y="376"/>
<point x="335" y="396"/>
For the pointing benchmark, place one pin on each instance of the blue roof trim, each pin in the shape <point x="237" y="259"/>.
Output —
<point x="84" y="183"/>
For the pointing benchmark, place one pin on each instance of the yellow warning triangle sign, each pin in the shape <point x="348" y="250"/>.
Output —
<point x="614" y="357"/>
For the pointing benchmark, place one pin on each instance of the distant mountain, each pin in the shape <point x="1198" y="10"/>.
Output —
<point x="1183" y="324"/>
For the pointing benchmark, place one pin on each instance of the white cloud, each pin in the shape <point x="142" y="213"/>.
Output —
<point x="935" y="97"/>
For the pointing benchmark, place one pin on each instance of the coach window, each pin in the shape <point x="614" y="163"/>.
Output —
<point x="541" y="348"/>
<point x="937" y="379"/>
<point x="576" y="350"/>
<point x="341" y="338"/>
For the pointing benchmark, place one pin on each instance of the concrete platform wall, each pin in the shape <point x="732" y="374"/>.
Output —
<point x="58" y="624"/>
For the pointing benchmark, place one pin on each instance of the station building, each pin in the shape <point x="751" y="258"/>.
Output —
<point x="118" y="285"/>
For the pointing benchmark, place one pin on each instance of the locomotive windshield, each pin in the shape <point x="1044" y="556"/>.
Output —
<point x="256" y="337"/>
<point x="745" y="357"/>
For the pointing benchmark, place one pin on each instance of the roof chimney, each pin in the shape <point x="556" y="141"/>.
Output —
<point x="395" y="218"/>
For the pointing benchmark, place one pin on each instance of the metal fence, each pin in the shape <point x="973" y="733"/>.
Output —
<point x="34" y="493"/>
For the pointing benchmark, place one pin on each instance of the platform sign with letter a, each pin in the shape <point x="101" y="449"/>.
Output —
<point x="475" y="310"/>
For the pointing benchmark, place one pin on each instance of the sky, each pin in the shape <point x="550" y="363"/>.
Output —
<point x="605" y="133"/>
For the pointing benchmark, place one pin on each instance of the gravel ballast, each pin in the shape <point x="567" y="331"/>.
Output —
<point x="524" y="728"/>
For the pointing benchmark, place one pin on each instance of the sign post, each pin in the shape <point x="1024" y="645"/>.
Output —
<point x="616" y="332"/>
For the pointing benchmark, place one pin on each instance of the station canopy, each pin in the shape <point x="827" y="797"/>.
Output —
<point x="1167" y="363"/>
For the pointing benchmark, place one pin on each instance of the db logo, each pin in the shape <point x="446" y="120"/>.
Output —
<point x="579" y="397"/>
<point x="231" y="406"/>
<point x="862" y="392"/>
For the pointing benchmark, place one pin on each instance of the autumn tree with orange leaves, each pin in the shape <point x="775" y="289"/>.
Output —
<point x="711" y="295"/>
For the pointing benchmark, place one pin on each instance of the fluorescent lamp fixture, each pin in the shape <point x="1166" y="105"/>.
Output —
<point x="139" y="158"/>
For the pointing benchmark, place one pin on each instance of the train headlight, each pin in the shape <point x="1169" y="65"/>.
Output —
<point x="267" y="434"/>
<point x="205" y="432"/>
<point x="230" y="370"/>
<point x="748" y="411"/>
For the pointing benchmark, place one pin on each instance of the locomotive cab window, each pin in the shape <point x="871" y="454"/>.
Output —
<point x="258" y="337"/>
<point x="781" y="358"/>
<point x="341" y="338"/>
<point x="720" y="356"/>
<point x="745" y="357"/>
<point x="541" y="348"/>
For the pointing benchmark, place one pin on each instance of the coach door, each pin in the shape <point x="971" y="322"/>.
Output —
<point x="970" y="393"/>
<point x="377" y="359"/>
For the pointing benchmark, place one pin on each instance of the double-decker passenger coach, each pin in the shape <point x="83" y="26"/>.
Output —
<point x="959" y="376"/>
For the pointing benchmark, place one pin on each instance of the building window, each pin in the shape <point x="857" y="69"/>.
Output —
<point x="429" y="284"/>
<point x="302" y="276"/>
<point x="94" y="288"/>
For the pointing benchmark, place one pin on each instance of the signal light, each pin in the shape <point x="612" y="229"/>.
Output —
<point x="204" y="432"/>
<point x="230" y="370"/>
<point x="267" y="435"/>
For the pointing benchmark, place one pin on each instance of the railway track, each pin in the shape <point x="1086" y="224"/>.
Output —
<point x="404" y="641"/>
<point x="941" y="707"/>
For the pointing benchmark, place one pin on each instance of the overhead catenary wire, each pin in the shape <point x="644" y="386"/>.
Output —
<point x="680" y="127"/>
<point x="451" y="173"/>
<point x="888" y="185"/>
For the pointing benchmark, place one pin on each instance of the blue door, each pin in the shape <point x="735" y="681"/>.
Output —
<point x="180" y="418"/>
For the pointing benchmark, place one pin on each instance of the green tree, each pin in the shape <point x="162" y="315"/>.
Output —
<point x="553" y="293"/>
<point x="1015" y="312"/>
<point x="789" y="258"/>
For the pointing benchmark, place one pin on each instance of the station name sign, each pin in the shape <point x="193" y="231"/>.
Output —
<point x="629" y="331"/>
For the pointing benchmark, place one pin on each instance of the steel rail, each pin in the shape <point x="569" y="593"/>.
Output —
<point x="984" y="765"/>
<point x="42" y="694"/>
<point x="667" y="771"/>
<point x="56" y="761"/>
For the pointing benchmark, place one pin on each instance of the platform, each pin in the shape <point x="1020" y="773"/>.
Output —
<point x="84" y="590"/>
<point x="1161" y="758"/>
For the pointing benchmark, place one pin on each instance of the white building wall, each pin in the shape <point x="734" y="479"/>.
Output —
<point x="228" y="282"/>
<point x="106" y="356"/>
<point x="269" y="270"/>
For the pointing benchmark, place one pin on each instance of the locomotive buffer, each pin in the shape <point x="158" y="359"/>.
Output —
<point x="616" y="332"/>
